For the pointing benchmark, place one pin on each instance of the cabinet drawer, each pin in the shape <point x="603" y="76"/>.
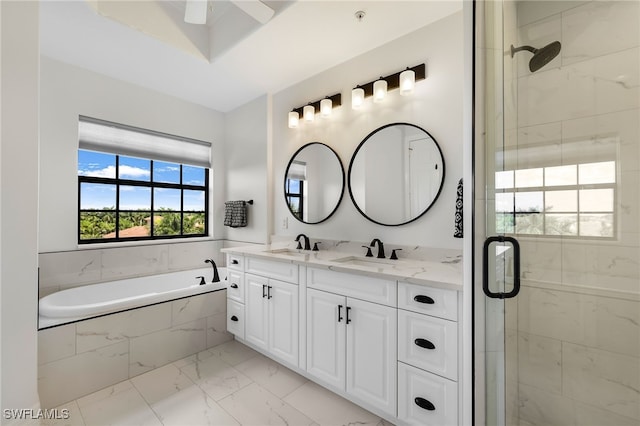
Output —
<point x="427" y="300"/>
<point x="426" y="399"/>
<point x="235" y="285"/>
<point x="235" y="318"/>
<point x="357" y="286"/>
<point x="428" y="343"/>
<point x="282" y="271"/>
<point x="235" y="262"/>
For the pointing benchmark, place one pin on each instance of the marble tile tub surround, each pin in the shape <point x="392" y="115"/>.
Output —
<point x="415" y="264"/>
<point x="229" y="384"/>
<point x="61" y="270"/>
<point x="80" y="358"/>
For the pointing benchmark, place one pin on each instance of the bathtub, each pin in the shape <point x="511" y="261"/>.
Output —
<point x="114" y="296"/>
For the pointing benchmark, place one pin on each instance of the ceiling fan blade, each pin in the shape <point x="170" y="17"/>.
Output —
<point x="195" y="12"/>
<point x="256" y="9"/>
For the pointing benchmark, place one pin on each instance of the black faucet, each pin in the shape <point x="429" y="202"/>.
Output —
<point x="216" y="277"/>
<point x="307" y="243"/>
<point x="380" y="247"/>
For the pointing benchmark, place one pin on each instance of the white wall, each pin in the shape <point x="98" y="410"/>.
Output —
<point x="246" y="133"/>
<point x="435" y="106"/>
<point x="68" y="91"/>
<point x="19" y="204"/>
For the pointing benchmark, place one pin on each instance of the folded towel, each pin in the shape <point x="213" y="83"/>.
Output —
<point x="235" y="214"/>
<point x="457" y="233"/>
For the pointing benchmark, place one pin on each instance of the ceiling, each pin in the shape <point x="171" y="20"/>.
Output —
<point x="233" y="59"/>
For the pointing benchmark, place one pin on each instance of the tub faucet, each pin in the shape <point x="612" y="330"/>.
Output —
<point x="380" y="247"/>
<point x="216" y="277"/>
<point x="307" y="243"/>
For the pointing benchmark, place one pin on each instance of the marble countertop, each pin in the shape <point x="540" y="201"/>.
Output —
<point x="443" y="274"/>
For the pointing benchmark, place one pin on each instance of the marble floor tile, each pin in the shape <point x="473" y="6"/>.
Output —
<point x="216" y="377"/>
<point x="327" y="408"/>
<point x="272" y="376"/>
<point x="70" y="411"/>
<point x="161" y="383"/>
<point x="200" y="356"/>
<point x="191" y="406"/>
<point x="233" y="352"/>
<point x="254" y="405"/>
<point x="121" y="404"/>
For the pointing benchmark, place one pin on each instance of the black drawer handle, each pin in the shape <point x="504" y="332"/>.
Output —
<point x="234" y="285"/>
<point x="234" y="262"/>
<point x="234" y="318"/>
<point x="424" y="299"/>
<point x="424" y="404"/>
<point x="424" y="343"/>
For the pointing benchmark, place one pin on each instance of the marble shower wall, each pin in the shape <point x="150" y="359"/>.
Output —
<point x="576" y="322"/>
<point x="60" y="270"/>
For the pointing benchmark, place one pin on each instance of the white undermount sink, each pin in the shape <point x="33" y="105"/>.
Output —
<point x="370" y="262"/>
<point x="287" y="252"/>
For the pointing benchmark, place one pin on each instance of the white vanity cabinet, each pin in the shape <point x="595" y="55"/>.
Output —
<point x="271" y="316"/>
<point x="427" y="355"/>
<point x="351" y="343"/>
<point x="235" y="295"/>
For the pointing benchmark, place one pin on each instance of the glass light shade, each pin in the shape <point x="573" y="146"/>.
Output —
<point x="379" y="90"/>
<point x="357" y="97"/>
<point x="294" y="119"/>
<point x="407" y="82"/>
<point x="326" y="107"/>
<point x="308" y="112"/>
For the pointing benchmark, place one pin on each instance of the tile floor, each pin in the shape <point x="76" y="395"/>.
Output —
<point x="229" y="384"/>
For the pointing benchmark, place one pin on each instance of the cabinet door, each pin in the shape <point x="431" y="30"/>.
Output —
<point x="371" y="353"/>
<point x="326" y="337"/>
<point x="256" y="325"/>
<point x="283" y="321"/>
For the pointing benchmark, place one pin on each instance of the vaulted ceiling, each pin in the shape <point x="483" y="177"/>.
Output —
<point x="233" y="58"/>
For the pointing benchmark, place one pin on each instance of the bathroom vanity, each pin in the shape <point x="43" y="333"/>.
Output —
<point x="382" y="333"/>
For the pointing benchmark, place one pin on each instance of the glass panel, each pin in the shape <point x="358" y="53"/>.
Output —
<point x="504" y="202"/>
<point x="194" y="224"/>
<point x="166" y="224"/>
<point x="591" y="173"/>
<point x="596" y="225"/>
<point x="504" y="180"/>
<point x="560" y="175"/>
<point x="166" y="199"/>
<point x="96" y="164"/>
<point x="193" y="200"/>
<point x="527" y="178"/>
<point x="97" y="196"/>
<point x="134" y="224"/>
<point x="561" y="224"/>
<point x="192" y="175"/>
<point x="134" y="169"/>
<point x="94" y="225"/>
<point x="294" y="204"/>
<point x="529" y="201"/>
<point x="530" y="223"/>
<point x="166" y="172"/>
<point x="596" y="200"/>
<point x="561" y="201"/>
<point x="135" y="198"/>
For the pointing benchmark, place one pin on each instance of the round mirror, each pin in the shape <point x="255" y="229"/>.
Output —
<point x="314" y="183"/>
<point x="396" y="174"/>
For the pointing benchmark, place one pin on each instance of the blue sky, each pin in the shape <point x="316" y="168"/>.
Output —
<point x="98" y="196"/>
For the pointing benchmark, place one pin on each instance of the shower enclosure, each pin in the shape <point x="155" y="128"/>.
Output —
<point x="557" y="212"/>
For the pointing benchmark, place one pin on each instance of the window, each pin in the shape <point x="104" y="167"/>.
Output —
<point x="146" y="196"/>
<point x="294" y="188"/>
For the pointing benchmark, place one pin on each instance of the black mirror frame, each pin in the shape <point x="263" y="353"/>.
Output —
<point x="286" y="172"/>
<point x="355" y="153"/>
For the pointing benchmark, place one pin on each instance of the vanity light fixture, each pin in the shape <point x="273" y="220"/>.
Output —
<point x="324" y="106"/>
<point x="404" y="80"/>
<point x="357" y="97"/>
<point x="379" y="90"/>
<point x="294" y="119"/>
<point x="309" y="113"/>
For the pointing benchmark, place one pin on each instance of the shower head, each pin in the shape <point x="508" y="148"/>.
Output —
<point x="541" y="57"/>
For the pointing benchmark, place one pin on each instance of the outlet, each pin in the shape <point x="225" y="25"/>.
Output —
<point x="285" y="223"/>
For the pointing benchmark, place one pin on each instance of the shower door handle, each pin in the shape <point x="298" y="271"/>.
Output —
<point x="516" y="267"/>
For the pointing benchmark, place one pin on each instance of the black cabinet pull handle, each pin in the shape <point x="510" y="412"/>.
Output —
<point x="348" y="319"/>
<point x="339" y="316"/>
<point x="424" y="299"/>
<point x="234" y="318"/>
<point x="234" y="285"/>
<point x="269" y="292"/>
<point x="264" y="287"/>
<point x="234" y="262"/>
<point x="424" y="404"/>
<point x="424" y="343"/>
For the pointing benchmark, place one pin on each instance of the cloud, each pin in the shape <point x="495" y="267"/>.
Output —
<point x="133" y="172"/>
<point x="110" y="172"/>
<point x="107" y="172"/>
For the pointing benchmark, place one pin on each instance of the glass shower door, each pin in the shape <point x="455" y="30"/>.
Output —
<point x="559" y="87"/>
